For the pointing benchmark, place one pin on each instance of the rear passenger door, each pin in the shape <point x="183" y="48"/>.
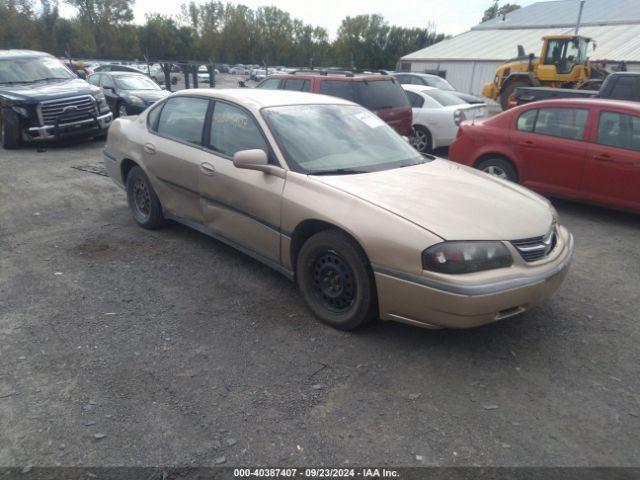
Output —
<point x="241" y="205"/>
<point x="551" y="147"/>
<point x="612" y="173"/>
<point x="174" y="152"/>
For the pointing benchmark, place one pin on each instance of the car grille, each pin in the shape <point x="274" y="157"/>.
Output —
<point x="532" y="249"/>
<point x="74" y="109"/>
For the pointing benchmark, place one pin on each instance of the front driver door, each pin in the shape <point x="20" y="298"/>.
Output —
<point x="243" y="206"/>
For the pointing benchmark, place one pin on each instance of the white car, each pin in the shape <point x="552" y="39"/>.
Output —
<point x="437" y="115"/>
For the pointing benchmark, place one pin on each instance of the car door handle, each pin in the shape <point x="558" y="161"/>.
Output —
<point x="149" y="148"/>
<point x="207" y="168"/>
<point x="527" y="143"/>
<point x="603" y="157"/>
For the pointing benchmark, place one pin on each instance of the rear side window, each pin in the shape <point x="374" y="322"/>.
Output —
<point x="527" y="121"/>
<point x="233" y="130"/>
<point x="381" y="94"/>
<point x="183" y="118"/>
<point x="338" y="88"/>
<point x="562" y="122"/>
<point x="270" y="84"/>
<point x="297" y="84"/>
<point x="626" y="88"/>
<point x="153" y="116"/>
<point x="416" y="100"/>
<point x="445" y="99"/>
<point x="619" y="130"/>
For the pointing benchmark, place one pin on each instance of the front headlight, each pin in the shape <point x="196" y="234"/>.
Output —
<point x="136" y="100"/>
<point x="101" y="101"/>
<point x="466" y="257"/>
<point x="21" y="111"/>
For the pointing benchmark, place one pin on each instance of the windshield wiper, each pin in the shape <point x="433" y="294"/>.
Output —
<point x="337" y="171"/>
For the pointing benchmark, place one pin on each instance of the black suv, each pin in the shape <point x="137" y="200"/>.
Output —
<point x="41" y="99"/>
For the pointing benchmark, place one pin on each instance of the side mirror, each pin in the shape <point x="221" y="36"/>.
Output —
<point x="256" y="159"/>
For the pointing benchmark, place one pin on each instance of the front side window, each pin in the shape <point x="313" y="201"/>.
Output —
<point x="297" y="84"/>
<point x="94" y="80"/>
<point x="619" y="130"/>
<point x="233" y="130"/>
<point x="337" y="139"/>
<point x="183" y="118"/>
<point x="562" y="122"/>
<point x="270" y="84"/>
<point x="107" y="81"/>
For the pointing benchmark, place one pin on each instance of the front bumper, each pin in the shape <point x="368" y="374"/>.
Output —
<point x="436" y="304"/>
<point x="70" y="129"/>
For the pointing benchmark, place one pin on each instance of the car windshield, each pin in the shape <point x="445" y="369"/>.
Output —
<point x="136" y="83"/>
<point x="33" y="69"/>
<point x="337" y="139"/>
<point x="439" y="83"/>
<point x="445" y="99"/>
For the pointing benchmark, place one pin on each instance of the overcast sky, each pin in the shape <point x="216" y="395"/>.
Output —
<point x="450" y="16"/>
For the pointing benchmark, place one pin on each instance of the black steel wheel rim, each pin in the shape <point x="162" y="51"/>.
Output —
<point x="141" y="199"/>
<point x="332" y="282"/>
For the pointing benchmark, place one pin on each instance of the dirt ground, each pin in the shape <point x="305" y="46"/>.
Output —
<point x="121" y="346"/>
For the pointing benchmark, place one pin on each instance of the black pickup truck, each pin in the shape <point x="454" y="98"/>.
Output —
<point x="617" y="86"/>
<point x="41" y="99"/>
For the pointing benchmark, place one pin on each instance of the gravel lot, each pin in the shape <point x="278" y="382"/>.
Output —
<point x="122" y="346"/>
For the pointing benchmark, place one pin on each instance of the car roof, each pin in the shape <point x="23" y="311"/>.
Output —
<point x="120" y="73"/>
<point x="257" y="98"/>
<point x="585" y="102"/>
<point x="417" y="88"/>
<point x="329" y="75"/>
<point x="418" y="74"/>
<point x="23" y="54"/>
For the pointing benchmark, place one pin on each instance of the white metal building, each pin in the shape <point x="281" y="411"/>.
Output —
<point x="469" y="60"/>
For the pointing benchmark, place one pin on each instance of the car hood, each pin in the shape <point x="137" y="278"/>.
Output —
<point x="452" y="201"/>
<point x="37" y="92"/>
<point x="468" y="98"/>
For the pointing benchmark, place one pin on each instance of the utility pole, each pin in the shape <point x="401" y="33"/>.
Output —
<point x="579" y="16"/>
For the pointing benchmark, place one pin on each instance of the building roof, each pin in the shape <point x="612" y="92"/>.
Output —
<point x="564" y="13"/>
<point x="613" y="24"/>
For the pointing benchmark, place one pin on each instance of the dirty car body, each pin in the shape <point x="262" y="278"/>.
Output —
<point x="342" y="204"/>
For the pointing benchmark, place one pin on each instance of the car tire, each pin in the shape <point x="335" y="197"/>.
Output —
<point x="508" y="91"/>
<point x="421" y="139"/>
<point x="499" y="167"/>
<point x="336" y="280"/>
<point x="9" y="130"/>
<point x="142" y="199"/>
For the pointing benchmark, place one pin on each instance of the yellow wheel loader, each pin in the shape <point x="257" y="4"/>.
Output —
<point x="563" y="63"/>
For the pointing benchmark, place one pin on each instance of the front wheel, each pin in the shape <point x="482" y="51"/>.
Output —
<point x="9" y="130"/>
<point x="499" y="167"/>
<point x="143" y="201"/>
<point x="508" y="91"/>
<point x="336" y="280"/>
<point x="421" y="140"/>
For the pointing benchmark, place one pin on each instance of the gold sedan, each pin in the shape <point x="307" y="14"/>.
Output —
<point x="326" y="193"/>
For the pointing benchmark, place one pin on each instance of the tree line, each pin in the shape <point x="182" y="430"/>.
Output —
<point x="211" y="32"/>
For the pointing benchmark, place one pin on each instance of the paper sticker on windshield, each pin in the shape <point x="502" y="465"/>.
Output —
<point x="369" y="119"/>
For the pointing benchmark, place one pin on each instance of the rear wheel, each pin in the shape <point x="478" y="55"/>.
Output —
<point x="143" y="201"/>
<point x="421" y="139"/>
<point x="9" y="130"/>
<point x="498" y="167"/>
<point x="336" y="280"/>
<point x="508" y="91"/>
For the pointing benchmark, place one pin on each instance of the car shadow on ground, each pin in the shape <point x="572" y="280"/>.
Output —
<point x="596" y="213"/>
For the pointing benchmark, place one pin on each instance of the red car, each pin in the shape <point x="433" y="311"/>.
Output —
<point x="381" y="94"/>
<point x="581" y="149"/>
